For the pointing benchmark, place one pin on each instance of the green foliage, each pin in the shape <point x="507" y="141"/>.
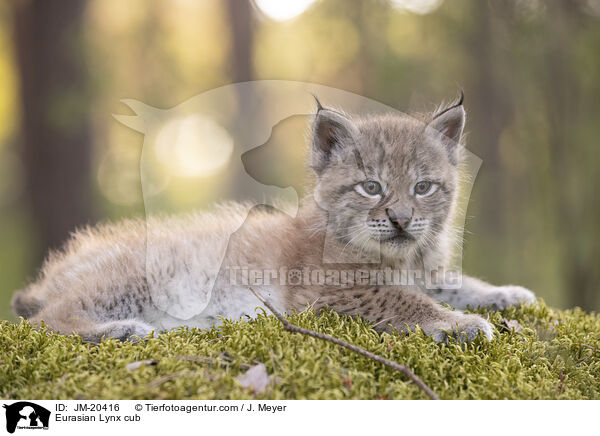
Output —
<point x="555" y="355"/>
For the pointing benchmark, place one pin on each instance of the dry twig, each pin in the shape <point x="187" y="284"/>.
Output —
<point x="389" y="363"/>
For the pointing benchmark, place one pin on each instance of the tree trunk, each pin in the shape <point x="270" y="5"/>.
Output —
<point x="242" y="39"/>
<point x="489" y="110"/>
<point x="579" y="258"/>
<point x="55" y="127"/>
<point x="241" y="28"/>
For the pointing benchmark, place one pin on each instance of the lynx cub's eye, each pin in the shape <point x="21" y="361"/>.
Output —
<point x="369" y="189"/>
<point x="425" y="187"/>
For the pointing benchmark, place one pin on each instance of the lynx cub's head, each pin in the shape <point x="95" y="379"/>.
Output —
<point x="388" y="182"/>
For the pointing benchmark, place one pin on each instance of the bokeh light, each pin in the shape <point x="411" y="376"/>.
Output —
<point x="421" y="7"/>
<point x="279" y="10"/>
<point x="194" y="146"/>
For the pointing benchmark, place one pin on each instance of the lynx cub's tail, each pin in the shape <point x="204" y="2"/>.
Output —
<point x="26" y="303"/>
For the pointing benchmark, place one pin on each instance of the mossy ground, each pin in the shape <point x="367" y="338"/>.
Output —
<point x="556" y="355"/>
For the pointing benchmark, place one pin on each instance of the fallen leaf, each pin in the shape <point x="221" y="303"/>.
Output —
<point x="347" y="382"/>
<point x="511" y="325"/>
<point x="135" y="365"/>
<point x="256" y="378"/>
<point x="514" y="325"/>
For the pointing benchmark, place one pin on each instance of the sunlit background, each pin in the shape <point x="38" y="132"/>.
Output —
<point x="530" y="71"/>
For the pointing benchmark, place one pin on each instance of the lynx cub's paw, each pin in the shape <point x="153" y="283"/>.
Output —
<point x="506" y="296"/>
<point x="126" y="330"/>
<point x="463" y="328"/>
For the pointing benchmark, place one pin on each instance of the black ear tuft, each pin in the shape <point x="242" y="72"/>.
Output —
<point x="319" y="105"/>
<point x="451" y="120"/>
<point x="461" y="99"/>
<point x="331" y="131"/>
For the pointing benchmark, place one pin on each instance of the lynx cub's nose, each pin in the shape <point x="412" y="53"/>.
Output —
<point x="400" y="222"/>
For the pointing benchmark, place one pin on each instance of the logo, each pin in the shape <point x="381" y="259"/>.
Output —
<point x="26" y="415"/>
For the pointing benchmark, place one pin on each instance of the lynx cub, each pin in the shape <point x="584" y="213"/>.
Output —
<point x="385" y="189"/>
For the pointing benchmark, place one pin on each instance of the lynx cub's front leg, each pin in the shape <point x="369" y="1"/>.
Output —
<point x="477" y="293"/>
<point x="406" y="308"/>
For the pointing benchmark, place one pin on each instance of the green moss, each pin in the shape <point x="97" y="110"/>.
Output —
<point x="556" y="355"/>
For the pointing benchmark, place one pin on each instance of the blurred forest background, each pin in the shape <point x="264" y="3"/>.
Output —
<point x="530" y="70"/>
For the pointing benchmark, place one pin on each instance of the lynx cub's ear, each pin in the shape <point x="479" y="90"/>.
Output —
<point x="332" y="131"/>
<point x="450" y="122"/>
